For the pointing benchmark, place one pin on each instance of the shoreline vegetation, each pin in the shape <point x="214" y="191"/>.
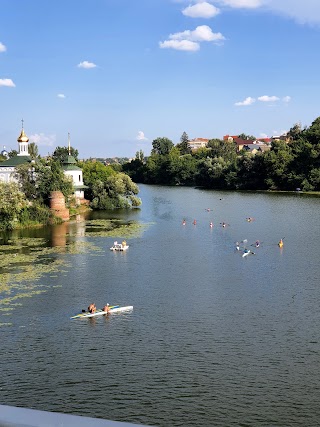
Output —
<point x="26" y="201"/>
<point x="289" y="164"/>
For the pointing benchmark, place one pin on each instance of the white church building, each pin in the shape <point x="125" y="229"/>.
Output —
<point x="69" y="166"/>
<point x="70" y="169"/>
<point x="8" y="167"/>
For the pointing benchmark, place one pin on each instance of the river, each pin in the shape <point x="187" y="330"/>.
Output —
<point x="214" y="338"/>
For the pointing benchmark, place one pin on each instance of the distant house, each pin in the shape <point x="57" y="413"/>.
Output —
<point x="283" y="137"/>
<point x="256" y="148"/>
<point x="229" y="138"/>
<point x="240" y="143"/>
<point x="197" y="143"/>
<point x="259" y="144"/>
<point x="264" y="140"/>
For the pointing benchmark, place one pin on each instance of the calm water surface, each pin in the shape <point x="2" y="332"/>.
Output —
<point x="214" y="339"/>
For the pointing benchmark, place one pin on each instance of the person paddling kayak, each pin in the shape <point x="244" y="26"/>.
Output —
<point x="106" y="308"/>
<point x="92" y="308"/>
<point x="280" y="244"/>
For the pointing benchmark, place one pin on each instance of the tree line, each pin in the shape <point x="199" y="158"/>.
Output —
<point x="287" y="166"/>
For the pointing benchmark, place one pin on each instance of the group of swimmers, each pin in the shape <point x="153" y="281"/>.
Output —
<point x="223" y="224"/>
<point x="92" y="308"/>
<point x="194" y="222"/>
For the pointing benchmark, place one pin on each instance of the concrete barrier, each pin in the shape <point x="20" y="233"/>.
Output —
<point x="11" y="416"/>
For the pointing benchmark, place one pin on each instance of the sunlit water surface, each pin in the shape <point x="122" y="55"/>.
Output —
<point x="214" y="339"/>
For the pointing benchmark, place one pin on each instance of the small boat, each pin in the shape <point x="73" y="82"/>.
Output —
<point x="119" y="246"/>
<point x="113" y="309"/>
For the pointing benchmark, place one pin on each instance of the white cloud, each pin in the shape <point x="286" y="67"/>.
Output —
<point x="201" y="10"/>
<point x="42" y="139"/>
<point x="141" y="137"/>
<point x="247" y="101"/>
<point x="86" y="64"/>
<point x="200" y="34"/>
<point x="245" y="4"/>
<point x="185" y="45"/>
<point x="61" y="95"/>
<point x="266" y="98"/>
<point x="2" y="47"/>
<point x="189" y="40"/>
<point x="263" y="135"/>
<point x="306" y="11"/>
<point x="7" y="83"/>
<point x="286" y="99"/>
<point x="303" y="12"/>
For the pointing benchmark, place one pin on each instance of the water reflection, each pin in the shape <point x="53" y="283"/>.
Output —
<point x="63" y="234"/>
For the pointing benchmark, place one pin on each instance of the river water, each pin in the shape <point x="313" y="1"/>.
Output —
<point x="214" y="339"/>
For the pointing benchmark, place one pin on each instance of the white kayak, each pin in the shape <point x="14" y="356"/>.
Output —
<point x="114" y="309"/>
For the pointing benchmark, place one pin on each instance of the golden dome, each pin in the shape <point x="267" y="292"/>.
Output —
<point x="23" y="137"/>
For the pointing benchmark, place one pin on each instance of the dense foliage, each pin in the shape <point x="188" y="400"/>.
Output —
<point x="60" y="153"/>
<point x="12" y="201"/>
<point x="39" y="180"/>
<point x="286" y="166"/>
<point x="108" y="189"/>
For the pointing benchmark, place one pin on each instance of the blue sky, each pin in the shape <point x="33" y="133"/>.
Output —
<point x="116" y="74"/>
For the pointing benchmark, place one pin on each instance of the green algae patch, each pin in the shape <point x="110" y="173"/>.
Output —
<point x="24" y="262"/>
<point x="115" y="228"/>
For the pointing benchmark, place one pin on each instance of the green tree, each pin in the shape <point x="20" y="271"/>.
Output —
<point x="184" y="146"/>
<point x="251" y="172"/>
<point x="212" y="172"/>
<point x="295" y="132"/>
<point x="60" y="153"/>
<point x="313" y="132"/>
<point x="277" y="163"/>
<point x="136" y="169"/>
<point x="12" y="153"/>
<point x="183" y="170"/>
<point x="118" y="191"/>
<point x="140" y="156"/>
<point x="245" y="136"/>
<point x="92" y="172"/>
<point x="224" y="149"/>
<point x="38" y="180"/>
<point x="161" y="146"/>
<point x="33" y="150"/>
<point x="26" y="176"/>
<point x="12" y="201"/>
